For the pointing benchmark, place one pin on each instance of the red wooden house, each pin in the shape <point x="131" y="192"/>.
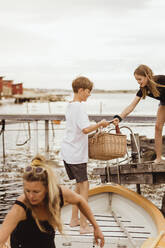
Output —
<point x="7" y="87"/>
<point x="1" y="83"/>
<point x="17" y="89"/>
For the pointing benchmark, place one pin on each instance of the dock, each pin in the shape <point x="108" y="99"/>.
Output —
<point x="6" y="119"/>
<point x="134" y="172"/>
<point x="38" y="97"/>
<point x="92" y="117"/>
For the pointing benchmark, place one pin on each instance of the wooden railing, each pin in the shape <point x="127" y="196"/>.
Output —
<point x="92" y="117"/>
<point x="6" y="119"/>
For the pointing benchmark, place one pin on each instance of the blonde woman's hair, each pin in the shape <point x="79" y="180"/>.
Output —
<point x="144" y="70"/>
<point x="52" y="199"/>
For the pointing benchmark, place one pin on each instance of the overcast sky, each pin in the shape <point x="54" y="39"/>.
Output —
<point x="47" y="43"/>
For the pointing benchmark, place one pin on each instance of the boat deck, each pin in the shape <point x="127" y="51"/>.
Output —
<point x="115" y="237"/>
<point x="120" y="230"/>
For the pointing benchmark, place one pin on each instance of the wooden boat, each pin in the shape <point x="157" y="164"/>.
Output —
<point x="126" y="219"/>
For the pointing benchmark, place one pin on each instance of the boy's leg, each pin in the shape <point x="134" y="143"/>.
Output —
<point x="84" y="226"/>
<point x="79" y="172"/>
<point x="74" y="219"/>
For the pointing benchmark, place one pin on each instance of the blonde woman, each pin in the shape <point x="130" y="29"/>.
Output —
<point x="153" y="86"/>
<point x="35" y="216"/>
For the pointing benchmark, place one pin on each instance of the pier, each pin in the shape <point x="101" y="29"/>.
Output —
<point x="92" y="117"/>
<point x="38" y="97"/>
<point x="6" y="119"/>
<point x="134" y="172"/>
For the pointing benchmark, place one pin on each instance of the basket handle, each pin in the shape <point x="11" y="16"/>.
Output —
<point x="117" y="129"/>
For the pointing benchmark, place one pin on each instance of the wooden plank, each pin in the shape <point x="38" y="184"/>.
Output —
<point x="159" y="178"/>
<point x="158" y="167"/>
<point x="131" y="179"/>
<point x="94" y="117"/>
<point x="146" y="178"/>
<point x="133" y="168"/>
<point x="130" y="175"/>
<point x="146" y="167"/>
<point x="31" y="117"/>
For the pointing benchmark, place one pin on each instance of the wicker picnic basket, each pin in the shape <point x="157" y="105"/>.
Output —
<point x="105" y="146"/>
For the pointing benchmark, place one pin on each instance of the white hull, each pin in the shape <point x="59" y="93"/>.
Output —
<point x="126" y="219"/>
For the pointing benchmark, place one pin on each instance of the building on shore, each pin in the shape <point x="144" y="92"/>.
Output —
<point x="8" y="89"/>
<point x="17" y="89"/>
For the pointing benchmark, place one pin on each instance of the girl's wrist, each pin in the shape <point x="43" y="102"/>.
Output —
<point x="118" y="116"/>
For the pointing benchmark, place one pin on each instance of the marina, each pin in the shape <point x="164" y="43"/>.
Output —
<point x="118" y="46"/>
<point x="131" y="172"/>
<point x="6" y="119"/>
<point x="25" y="134"/>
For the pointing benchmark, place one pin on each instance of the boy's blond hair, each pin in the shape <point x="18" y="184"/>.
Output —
<point x="81" y="82"/>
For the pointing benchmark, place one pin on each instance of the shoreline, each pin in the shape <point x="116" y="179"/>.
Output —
<point x="65" y="91"/>
<point x="53" y="95"/>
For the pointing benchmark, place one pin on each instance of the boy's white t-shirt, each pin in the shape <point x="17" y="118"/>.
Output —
<point x="74" y="147"/>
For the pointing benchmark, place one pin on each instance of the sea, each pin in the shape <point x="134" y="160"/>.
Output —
<point x="24" y="140"/>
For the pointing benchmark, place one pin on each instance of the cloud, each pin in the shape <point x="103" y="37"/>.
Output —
<point x="58" y="40"/>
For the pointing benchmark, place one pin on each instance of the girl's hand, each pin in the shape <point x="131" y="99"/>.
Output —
<point x="116" y="121"/>
<point x="6" y="245"/>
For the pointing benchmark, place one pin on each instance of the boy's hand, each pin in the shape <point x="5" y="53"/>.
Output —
<point x="103" y="123"/>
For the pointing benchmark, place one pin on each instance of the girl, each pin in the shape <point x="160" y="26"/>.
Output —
<point x="153" y="86"/>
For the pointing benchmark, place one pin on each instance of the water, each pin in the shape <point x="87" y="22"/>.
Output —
<point x="17" y="155"/>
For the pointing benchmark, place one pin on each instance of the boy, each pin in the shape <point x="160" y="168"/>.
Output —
<point x="74" y="147"/>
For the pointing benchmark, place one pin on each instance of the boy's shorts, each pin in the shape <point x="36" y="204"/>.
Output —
<point x="77" y="171"/>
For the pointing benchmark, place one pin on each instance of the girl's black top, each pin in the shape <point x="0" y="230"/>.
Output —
<point x="159" y="79"/>
<point x="28" y="235"/>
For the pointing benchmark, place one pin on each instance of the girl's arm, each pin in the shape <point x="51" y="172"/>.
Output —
<point x="74" y="198"/>
<point x="127" y="110"/>
<point x="130" y="107"/>
<point x="14" y="216"/>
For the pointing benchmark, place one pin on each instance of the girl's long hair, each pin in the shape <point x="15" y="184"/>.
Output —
<point x="144" y="70"/>
<point x="52" y="199"/>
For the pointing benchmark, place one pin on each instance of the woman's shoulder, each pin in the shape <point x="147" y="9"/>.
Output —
<point x="19" y="209"/>
<point x="21" y="198"/>
<point x="139" y="93"/>
<point x="21" y="202"/>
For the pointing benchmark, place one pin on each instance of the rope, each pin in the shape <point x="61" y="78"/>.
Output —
<point x="118" y="172"/>
<point x="108" y="173"/>
<point x="3" y="126"/>
<point x="28" y="138"/>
